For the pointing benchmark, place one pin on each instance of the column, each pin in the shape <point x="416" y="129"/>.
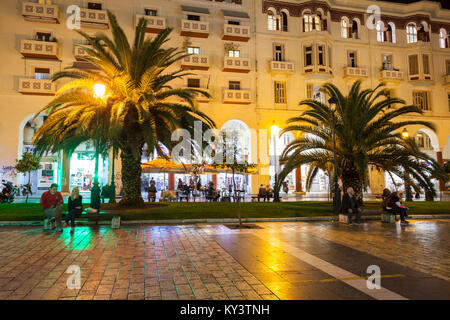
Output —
<point x="171" y="181"/>
<point x="298" y="180"/>
<point x="441" y="162"/>
<point x="65" y="172"/>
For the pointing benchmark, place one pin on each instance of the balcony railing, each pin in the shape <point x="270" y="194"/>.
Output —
<point x="236" y="33"/>
<point x="39" y="49"/>
<point x="195" y="62"/>
<point x="241" y="65"/>
<point x="236" y="96"/>
<point x="195" y="29"/>
<point x="154" y="24"/>
<point x="317" y="70"/>
<point x="281" y="66"/>
<point x="355" y="72"/>
<point x="36" y="86"/>
<point x="426" y="78"/>
<point x="40" y="12"/>
<point x="94" y="18"/>
<point x="391" y="75"/>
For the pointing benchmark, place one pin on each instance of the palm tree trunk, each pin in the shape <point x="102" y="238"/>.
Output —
<point x="351" y="178"/>
<point x="131" y="178"/>
<point x="236" y="199"/>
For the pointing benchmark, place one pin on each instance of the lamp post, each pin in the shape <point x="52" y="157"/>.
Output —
<point x="99" y="92"/>
<point x="336" y="191"/>
<point x="408" y="195"/>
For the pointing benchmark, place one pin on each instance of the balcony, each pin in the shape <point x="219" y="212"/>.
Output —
<point x="446" y="80"/>
<point x="391" y="75"/>
<point x="40" y="87"/>
<point x="236" y="96"/>
<point x="40" y="12"/>
<point x="195" y="62"/>
<point x="281" y="66"/>
<point x="200" y="98"/>
<point x="317" y="72"/>
<point x="194" y="29"/>
<point x="39" y="49"/>
<point x="154" y="24"/>
<point x="236" y="33"/>
<point x="355" y="73"/>
<point x="240" y="65"/>
<point x="420" y="79"/>
<point x="94" y="18"/>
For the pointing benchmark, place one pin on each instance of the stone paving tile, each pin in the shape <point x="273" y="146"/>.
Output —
<point x="185" y="262"/>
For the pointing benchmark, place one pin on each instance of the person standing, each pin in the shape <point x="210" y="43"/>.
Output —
<point x="152" y="191"/>
<point x="75" y="208"/>
<point x="350" y="206"/>
<point x="52" y="201"/>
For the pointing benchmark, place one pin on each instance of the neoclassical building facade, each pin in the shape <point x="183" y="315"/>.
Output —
<point x="257" y="58"/>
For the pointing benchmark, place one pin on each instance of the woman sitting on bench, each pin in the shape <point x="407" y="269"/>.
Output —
<point x="75" y="208"/>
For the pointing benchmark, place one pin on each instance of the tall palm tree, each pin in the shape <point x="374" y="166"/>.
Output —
<point x="140" y="106"/>
<point x="366" y="135"/>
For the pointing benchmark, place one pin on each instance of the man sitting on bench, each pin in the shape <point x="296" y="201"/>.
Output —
<point x="262" y="193"/>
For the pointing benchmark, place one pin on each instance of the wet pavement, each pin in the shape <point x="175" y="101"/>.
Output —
<point x="283" y="260"/>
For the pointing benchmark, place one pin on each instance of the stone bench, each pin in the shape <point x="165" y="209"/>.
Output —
<point x="388" y="217"/>
<point x="115" y="218"/>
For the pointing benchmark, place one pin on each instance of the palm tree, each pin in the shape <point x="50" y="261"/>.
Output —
<point x="366" y="135"/>
<point x="140" y="106"/>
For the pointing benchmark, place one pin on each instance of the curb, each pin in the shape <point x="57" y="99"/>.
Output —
<point x="228" y="220"/>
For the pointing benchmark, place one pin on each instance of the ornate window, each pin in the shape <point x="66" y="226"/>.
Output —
<point x="272" y="21"/>
<point x="443" y="38"/>
<point x="390" y="33"/>
<point x="411" y="33"/>
<point x="380" y="31"/>
<point x="284" y="21"/>
<point x="344" y="27"/>
<point x="307" y="22"/>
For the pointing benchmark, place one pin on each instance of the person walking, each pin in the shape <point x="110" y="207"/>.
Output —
<point x="350" y="206"/>
<point x="52" y="201"/>
<point x="75" y="208"/>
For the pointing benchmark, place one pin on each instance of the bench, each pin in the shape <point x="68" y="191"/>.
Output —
<point x="115" y="218"/>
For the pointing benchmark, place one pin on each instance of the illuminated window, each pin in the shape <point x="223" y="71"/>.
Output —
<point x="234" y="85"/>
<point x="234" y="53"/>
<point x="280" y="92"/>
<point x="411" y="33"/>
<point x="344" y="28"/>
<point x="42" y="73"/>
<point x="380" y="31"/>
<point x="272" y="21"/>
<point x="423" y="140"/>
<point x="307" y="23"/>
<point x="443" y="38"/>
<point x="193" y="50"/>
<point x="421" y="99"/>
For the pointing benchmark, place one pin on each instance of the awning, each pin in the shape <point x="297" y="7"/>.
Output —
<point x="235" y="14"/>
<point x="195" y="9"/>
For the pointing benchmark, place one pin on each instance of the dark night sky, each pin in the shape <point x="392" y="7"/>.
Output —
<point x="444" y="3"/>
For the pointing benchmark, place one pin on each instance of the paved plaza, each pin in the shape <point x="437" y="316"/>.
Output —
<point x="295" y="260"/>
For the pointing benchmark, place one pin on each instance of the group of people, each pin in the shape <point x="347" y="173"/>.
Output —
<point x="391" y="203"/>
<point x="265" y="192"/>
<point x="52" y="202"/>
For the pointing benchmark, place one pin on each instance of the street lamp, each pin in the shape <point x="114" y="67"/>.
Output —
<point x="336" y="191"/>
<point x="408" y="195"/>
<point x="275" y="130"/>
<point x="99" y="92"/>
